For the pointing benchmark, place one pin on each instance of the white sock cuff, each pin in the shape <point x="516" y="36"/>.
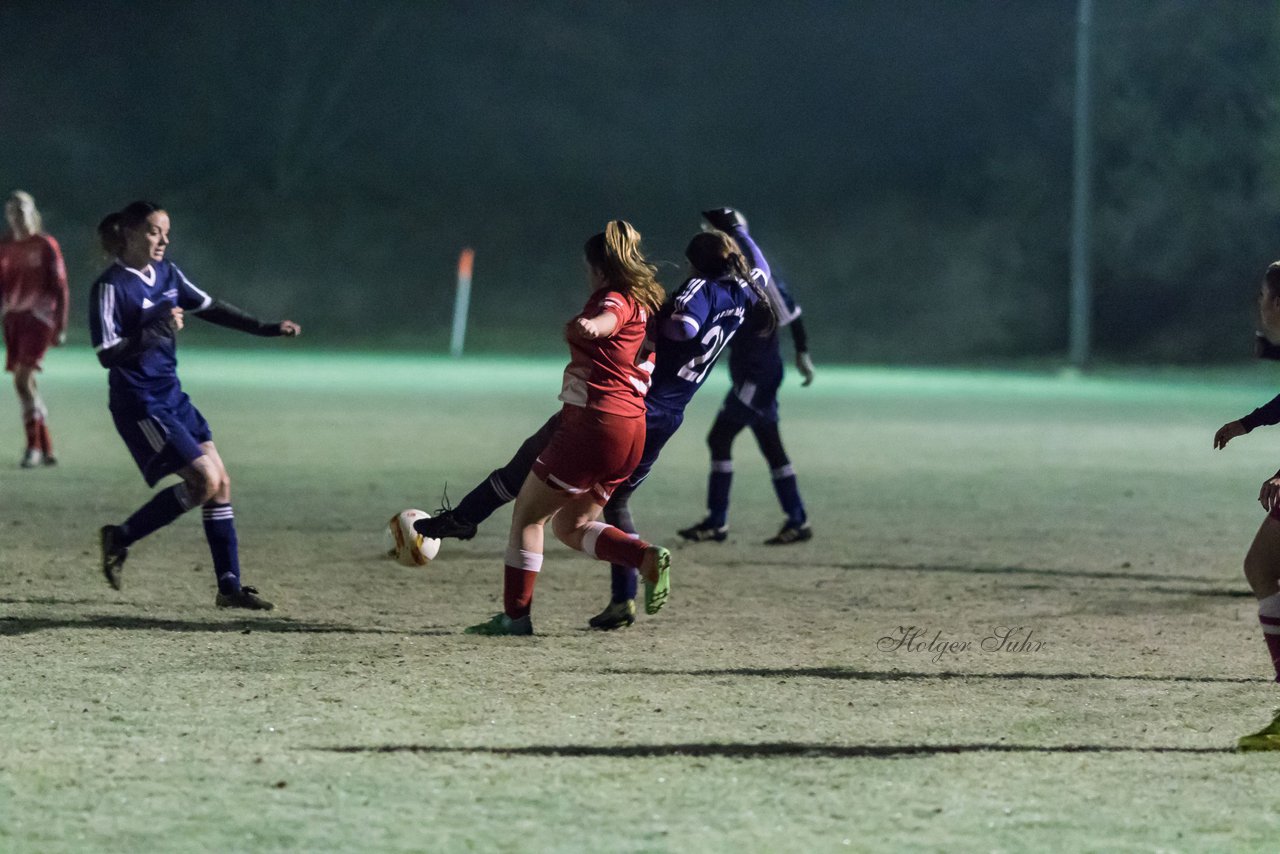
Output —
<point x="591" y="535"/>
<point x="722" y="466"/>
<point x="521" y="559"/>
<point x="1270" y="606"/>
<point x="783" y="471"/>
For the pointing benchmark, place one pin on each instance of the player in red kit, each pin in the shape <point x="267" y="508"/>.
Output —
<point x="599" y="438"/>
<point x="33" y="305"/>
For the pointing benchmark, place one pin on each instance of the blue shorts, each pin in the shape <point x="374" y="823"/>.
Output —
<point x="163" y="437"/>
<point x="659" y="425"/>
<point x="752" y="402"/>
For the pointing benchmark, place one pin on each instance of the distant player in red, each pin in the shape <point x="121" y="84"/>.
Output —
<point x="1262" y="563"/>
<point x="33" y="305"/>
<point x="599" y="438"/>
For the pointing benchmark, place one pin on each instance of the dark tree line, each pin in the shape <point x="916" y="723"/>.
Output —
<point x="905" y="162"/>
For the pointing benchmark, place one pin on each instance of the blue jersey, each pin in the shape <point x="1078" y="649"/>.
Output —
<point x="123" y="302"/>
<point x="757" y="358"/>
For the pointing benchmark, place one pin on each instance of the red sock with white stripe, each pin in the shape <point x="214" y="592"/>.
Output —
<point x="1269" y="616"/>
<point x="613" y="544"/>
<point x="518" y="577"/>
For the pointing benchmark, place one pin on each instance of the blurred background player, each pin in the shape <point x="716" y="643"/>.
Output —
<point x="33" y="304"/>
<point x="598" y="438"/>
<point x="136" y="309"/>
<point x="1262" y="562"/>
<point x="755" y="369"/>
<point x="690" y="332"/>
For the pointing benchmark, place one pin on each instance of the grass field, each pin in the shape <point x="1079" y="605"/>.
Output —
<point x="770" y="707"/>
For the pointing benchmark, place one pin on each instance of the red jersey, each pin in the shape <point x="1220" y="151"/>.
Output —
<point x="33" y="280"/>
<point x="602" y="374"/>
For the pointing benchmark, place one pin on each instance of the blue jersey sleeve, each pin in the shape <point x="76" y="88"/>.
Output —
<point x="190" y="297"/>
<point x="104" y="317"/>
<point x="755" y="258"/>
<point x="689" y="310"/>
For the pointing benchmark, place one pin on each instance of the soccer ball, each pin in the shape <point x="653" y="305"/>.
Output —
<point x="406" y="545"/>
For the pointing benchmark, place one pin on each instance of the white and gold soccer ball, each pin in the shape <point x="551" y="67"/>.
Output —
<point x="406" y="545"/>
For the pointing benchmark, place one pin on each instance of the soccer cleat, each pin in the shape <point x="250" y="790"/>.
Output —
<point x="791" y="534"/>
<point x="31" y="458"/>
<point x="113" y="556"/>
<point x="617" y="615"/>
<point x="246" y="598"/>
<point x="704" y="532"/>
<point x="655" y="569"/>
<point x="501" y="624"/>
<point x="443" y="525"/>
<point x="1267" y="738"/>
<point x="49" y="460"/>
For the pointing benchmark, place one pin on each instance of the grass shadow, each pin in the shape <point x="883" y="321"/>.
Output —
<point x="898" y="675"/>
<point x="279" y="625"/>
<point x="766" y="750"/>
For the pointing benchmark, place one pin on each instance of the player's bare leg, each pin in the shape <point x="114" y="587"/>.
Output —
<point x="33" y="418"/>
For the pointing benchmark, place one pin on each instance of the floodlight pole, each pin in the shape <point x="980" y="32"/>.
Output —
<point x="1081" y="212"/>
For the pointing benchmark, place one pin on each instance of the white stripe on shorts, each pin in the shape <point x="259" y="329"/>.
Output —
<point x="151" y="431"/>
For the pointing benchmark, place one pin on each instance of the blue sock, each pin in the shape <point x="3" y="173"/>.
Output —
<point x="784" y="484"/>
<point x="625" y="581"/>
<point x="163" y="508"/>
<point x="718" y="486"/>
<point x="220" y="531"/>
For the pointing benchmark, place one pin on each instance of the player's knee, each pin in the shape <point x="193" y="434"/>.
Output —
<point x="567" y="530"/>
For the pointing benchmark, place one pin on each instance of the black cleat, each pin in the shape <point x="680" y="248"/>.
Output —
<point x="246" y="597"/>
<point x="49" y="460"/>
<point x="616" y="615"/>
<point x="445" y="524"/>
<point x="113" y="556"/>
<point x="704" y="532"/>
<point x="791" y="534"/>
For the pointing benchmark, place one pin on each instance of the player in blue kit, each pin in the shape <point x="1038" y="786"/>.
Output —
<point x="137" y="307"/>
<point x="690" y="333"/>
<point x="755" y="369"/>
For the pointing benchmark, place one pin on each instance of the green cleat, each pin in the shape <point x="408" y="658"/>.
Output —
<point x="618" y="615"/>
<point x="501" y="624"/>
<point x="656" y="572"/>
<point x="1267" y="738"/>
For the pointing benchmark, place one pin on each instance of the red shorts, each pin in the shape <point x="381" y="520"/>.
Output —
<point x="591" y="452"/>
<point x="25" y="340"/>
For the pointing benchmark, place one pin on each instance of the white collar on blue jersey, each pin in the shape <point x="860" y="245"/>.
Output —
<point x="147" y="275"/>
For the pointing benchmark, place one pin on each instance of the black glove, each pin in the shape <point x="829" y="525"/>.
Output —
<point x="725" y="219"/>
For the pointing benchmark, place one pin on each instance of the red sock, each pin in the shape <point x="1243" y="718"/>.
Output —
<point x="33" y="435"/>
<point x="517" y="591"/>
<point x="46" y="444"/>
<point x="613" y="544"/>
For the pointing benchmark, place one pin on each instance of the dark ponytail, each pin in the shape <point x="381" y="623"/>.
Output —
<point x="716" y="255"/>
<point x="113" y="226"/>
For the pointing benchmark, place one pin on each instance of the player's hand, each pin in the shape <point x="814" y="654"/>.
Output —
<point x="724" y="218"/>
<point x="289" y="329"/>
<point x="1226" y="433"/>
<point x="804" y="364"/>
<point x="1269" y="495"/>
<point x="584" y="328"/>
<point x="175" y="318"/>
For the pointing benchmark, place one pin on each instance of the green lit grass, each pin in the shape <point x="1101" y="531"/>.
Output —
<point x="756" y="713"/>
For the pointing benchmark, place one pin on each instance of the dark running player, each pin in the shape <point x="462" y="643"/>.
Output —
<point x="1262" y="563"/>
<point x="755" y="368"/>
<point x="598" y="438"/>
<point x="136" y="309"/>
<point x="33" y="304"/>
<point x="691" y="330"/>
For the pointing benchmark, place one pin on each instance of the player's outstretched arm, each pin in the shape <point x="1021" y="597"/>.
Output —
<point x="225" y="314"/>
<point x="1227" y="432"/>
